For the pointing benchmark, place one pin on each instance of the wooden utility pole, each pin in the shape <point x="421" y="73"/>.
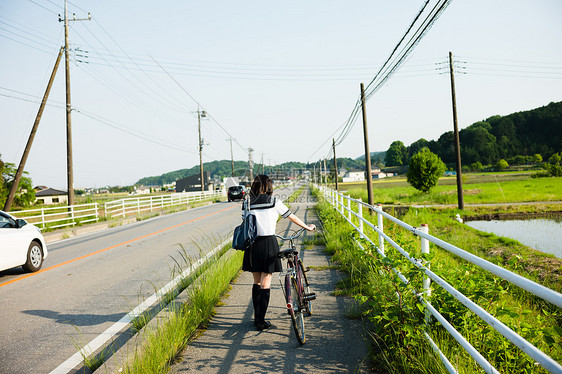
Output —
<point x="325" y="174"/>
<point x="367" y="152"/>
<point x="69" y="168"/>
<point x="12" y="193"/>
<point x="251" y="164"/>
<point x="335" y="163"/>
<point x="456" y="131"/>
<point x="231" y="156"/>
<point x="201" y="113"/>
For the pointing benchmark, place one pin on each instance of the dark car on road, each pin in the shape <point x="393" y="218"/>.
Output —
<point x="236" y="193"/>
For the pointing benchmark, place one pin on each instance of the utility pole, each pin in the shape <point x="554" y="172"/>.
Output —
<point x="460" y="196"/>
<point x="231" y="156"/>
<point x="251" y="164"/>
<point x="201" y="114"/>
<point x="12" y="193"/>
<point x="262" y="165"/>
<point x="325" y="174"/>
<point x="335" y="163"/>
<point x="314" y="175"/>
<point x="367" y="152"/>
<point x="69" y="171"/>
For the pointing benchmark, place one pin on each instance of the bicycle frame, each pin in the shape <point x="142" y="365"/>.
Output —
<point x="293" y="281"/>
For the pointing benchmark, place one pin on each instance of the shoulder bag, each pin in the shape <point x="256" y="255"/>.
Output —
<point x="246" y="232"/>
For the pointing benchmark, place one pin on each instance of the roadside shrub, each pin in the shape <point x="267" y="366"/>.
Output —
<point x="425" y="169"/>
<point x="553" y="167"/>
<point x="502" y="164"/>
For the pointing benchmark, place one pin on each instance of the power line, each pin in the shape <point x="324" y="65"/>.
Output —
<point x="60" y="105"/>
<point x="136" y="87"/>
<point x="24" y="37"/>
<point x="395" y="60"/>
<point x="39" y="5"/>
<point x="198" y="104"/>
<point x="28" y="45"/>
<point x="136" y="133"/>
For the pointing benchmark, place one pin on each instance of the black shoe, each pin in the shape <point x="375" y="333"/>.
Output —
<point x="263" y="326"/>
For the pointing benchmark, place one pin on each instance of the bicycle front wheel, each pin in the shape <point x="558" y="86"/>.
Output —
<point x="297" y="317"/>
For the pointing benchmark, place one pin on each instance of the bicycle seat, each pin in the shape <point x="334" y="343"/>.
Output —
<point x="287" y="253"/>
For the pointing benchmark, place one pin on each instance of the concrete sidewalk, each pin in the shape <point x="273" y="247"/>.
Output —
<point x="334" y="344"/>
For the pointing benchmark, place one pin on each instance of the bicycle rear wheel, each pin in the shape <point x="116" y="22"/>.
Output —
<point x="306" y="287"/>
<point x="296" y="311"/>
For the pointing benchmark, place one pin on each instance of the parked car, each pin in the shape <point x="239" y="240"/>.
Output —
<point x="236" y="193"/>
<point x="21" y="244"/>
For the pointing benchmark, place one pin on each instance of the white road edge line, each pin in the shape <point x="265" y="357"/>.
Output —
<point x="105" y="336"/>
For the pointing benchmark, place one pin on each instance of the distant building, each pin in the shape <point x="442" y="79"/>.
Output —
<point x="49" y="196"/>
<point x="193" y="183"/>
<point x="354" y="176"/>
<point x="145" y="190"/>
<point x="231" y="181"/>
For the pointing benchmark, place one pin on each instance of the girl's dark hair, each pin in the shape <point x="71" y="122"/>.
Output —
<point x="262" y="184"/>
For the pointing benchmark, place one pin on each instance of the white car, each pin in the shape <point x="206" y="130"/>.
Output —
<point x="21" y="244"/>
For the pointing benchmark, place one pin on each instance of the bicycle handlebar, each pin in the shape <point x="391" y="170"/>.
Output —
<point x="299" y="233"/>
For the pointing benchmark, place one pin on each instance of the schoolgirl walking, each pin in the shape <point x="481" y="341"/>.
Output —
<point x="261" y="257"/>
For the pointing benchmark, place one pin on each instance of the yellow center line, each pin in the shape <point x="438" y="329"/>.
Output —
<point x="108" y="248"/>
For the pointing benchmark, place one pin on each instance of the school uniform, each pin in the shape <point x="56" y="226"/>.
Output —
<point x="261" y="256"/>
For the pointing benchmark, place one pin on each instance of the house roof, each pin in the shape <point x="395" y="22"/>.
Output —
<point x="50" y="192"/>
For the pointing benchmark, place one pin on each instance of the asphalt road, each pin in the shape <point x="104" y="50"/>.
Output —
<point x="90" y="282"/>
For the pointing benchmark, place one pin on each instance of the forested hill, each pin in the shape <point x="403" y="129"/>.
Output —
<point x="223" y="168"/>
<point x="537" y="131"/>
<point x="218" y="168"/>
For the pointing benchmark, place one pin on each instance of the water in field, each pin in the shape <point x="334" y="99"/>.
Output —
<point x="544" y="235"/>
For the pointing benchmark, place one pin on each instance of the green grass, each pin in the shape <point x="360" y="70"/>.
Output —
<point x="395" y="323"/>
<point x="497" y="188"/>
<point x="170" y="336"/>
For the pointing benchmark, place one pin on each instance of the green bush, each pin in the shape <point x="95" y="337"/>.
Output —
<point x="425" y="169"/>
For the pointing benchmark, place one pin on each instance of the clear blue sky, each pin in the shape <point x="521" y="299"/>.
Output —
<point x="279" y="77"/>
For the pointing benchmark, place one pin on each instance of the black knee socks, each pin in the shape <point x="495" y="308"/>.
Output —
<point x="263" y="301"/>
<point x="255" y="300"/>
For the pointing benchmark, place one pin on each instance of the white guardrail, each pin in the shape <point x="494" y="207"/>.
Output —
<point x="135" y="205"/>
<point x="343" y="204"/>
<point x="55" y="217"/>
<point x="60" y="216"/>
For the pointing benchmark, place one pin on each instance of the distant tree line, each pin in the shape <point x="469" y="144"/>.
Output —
<point x="519" y="138"/>
<point x="223" y="168"/>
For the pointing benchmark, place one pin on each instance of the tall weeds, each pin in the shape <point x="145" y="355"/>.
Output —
<point x="396" y="318"/>
<point x="170" y="336"/>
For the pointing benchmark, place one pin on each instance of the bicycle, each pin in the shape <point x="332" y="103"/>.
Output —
<point x="296" y="288"/>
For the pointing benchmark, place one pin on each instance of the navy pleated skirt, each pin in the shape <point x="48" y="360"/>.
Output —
<point x="262" y="256"/>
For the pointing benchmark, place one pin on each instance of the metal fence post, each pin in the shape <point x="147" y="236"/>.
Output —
<point x="360" y="214"/>
<point x="426" y="280"/>
<point x="380" y="226"/>
<point x="123" y="207"/>
<point x="349" y="207"/>
<point x="43" y="217"/>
